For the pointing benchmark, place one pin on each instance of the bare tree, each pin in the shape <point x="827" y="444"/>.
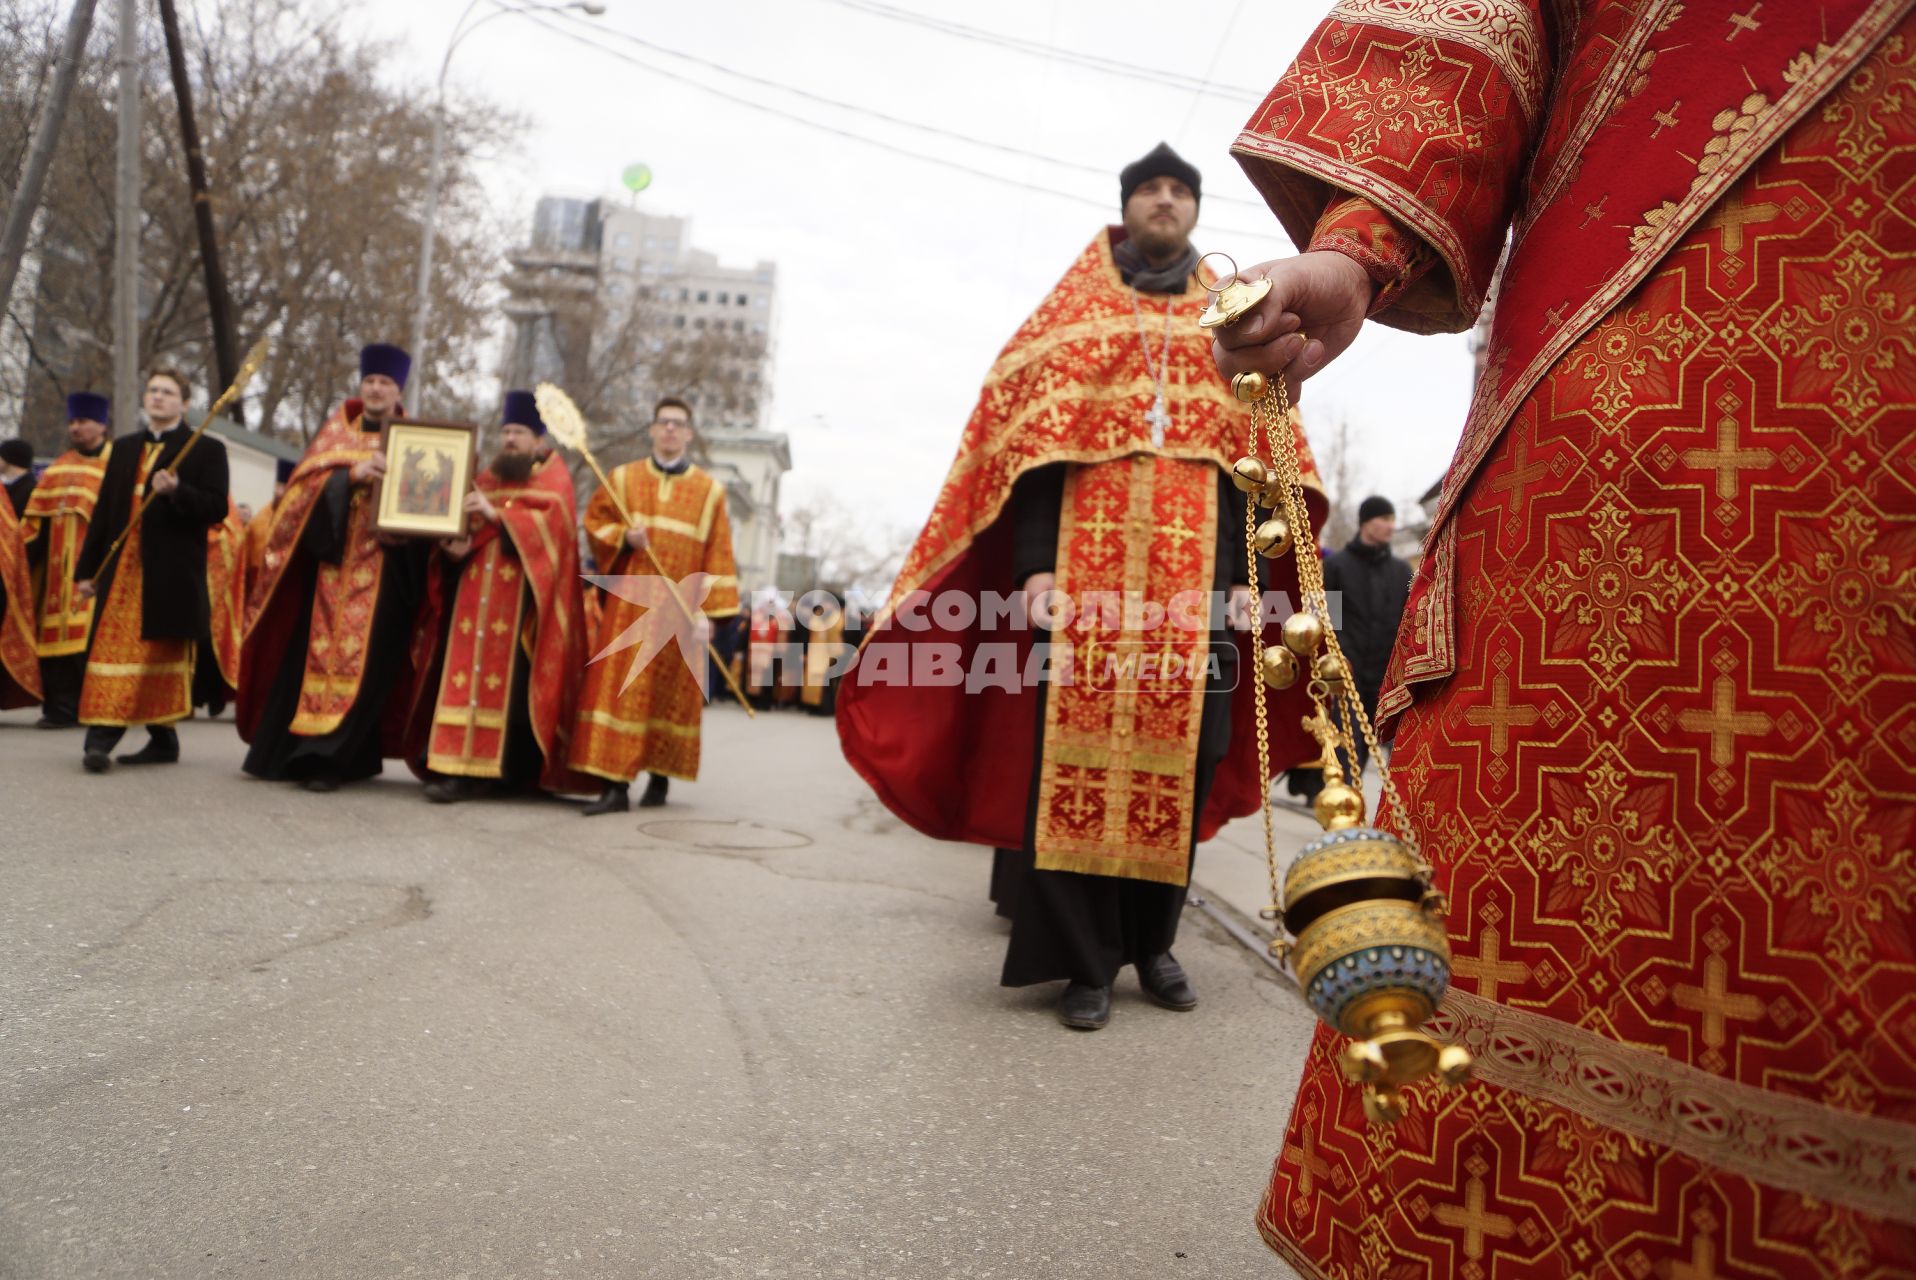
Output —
<point x="849" y="556"/>
<point x="1344" y="478"/>
<point x="315" y="160"/>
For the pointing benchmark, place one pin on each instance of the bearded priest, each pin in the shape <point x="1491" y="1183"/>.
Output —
<point x="1097" y="463"/>
<point x="327" y="673"/>
<point x="637" y="718"/>
<point x="511" y="645"/>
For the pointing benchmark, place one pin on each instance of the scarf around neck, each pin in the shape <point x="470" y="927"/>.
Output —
<point x="1144" y="277"/>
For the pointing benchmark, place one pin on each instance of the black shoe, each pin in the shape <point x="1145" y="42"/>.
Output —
<point x="611" y="800"/>
<point x="321" y="784"/>
<point x="152" y="753"/>
<point x="450" y="790"/>
<point x="48" y="722"/>
<point x="1166" y="983"/>
<point x="1085" y="1008"/>
<point x="96" y="761"/>
<point x="655" y="792"/>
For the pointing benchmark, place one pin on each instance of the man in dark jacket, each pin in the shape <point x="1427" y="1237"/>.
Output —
<point x="152" y="594"/>
<point x="1372" y="586"/>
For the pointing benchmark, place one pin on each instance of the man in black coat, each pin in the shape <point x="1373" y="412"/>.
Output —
<point x="152" y="594"/>
<point x="1373" y="587"/>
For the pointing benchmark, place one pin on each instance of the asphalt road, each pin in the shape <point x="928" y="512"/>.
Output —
<point x="247" y="1030"/>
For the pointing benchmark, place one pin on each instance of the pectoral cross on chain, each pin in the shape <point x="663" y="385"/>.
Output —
<point x="1159" y="420"/>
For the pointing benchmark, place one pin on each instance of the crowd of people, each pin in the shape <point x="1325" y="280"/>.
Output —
<point x="135" y="590"/>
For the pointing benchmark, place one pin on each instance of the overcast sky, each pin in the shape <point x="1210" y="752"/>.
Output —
<point x="899" y="280"/>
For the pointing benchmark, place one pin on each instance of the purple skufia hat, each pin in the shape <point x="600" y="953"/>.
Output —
<point x="384" y="357"/>
<point x="523" y="408"/>
<point x="89" y="405"/>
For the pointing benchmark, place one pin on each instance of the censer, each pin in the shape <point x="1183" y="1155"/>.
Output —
<point x="1361" y="925"/>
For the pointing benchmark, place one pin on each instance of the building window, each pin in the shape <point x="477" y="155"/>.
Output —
<point x="738" y="326"/>
<point x="699" y="323"/>
<point x="616" y="289"/>
<point x="621" y="264"/>
<point x="705" y="295"/>
<point x="759" y="301"/>
<point x="685" y="295"/>
<point x="724" y="298"/>
<point x="678" y="322"/>
<point x="622" y="241"/>
<point x="741" y="299"/>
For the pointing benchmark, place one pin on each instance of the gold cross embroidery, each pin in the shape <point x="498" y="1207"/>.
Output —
<point x="1500" y="715"/>
<point x="1488" y="967"/>
<point x="1726" y="459"/>
<point x="1714" y="1001"/>
<point x="1723" y="721"/>
<point x="1476" y="1223"/>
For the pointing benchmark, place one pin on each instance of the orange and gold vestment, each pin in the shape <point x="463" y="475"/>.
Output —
<point x="1655" y="693"/>
<point x="60" y="510"/>
<point x="19" y="666"/>
<point x="516" y="603"/>
<point x="344" y="592"/>
<point x="131" y="680"/>
<point x="226" y="592"/>
<point x="1139" y="522"/>
<point x="652" y="725"/>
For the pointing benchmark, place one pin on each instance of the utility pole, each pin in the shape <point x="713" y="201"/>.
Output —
<point x="126" y="221"/>
<point x="218" y="301"/>
<point x="46" y="132"/>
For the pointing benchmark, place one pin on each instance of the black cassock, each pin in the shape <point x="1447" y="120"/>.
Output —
<point x="1067" y="925"/>
<point x="355" y="749"/>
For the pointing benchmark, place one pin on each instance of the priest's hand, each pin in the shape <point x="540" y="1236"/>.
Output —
<point x="371" y="469"/>
<point x="165" y="482"/>
<point x="1315" y="307"/>
<point x="478" y="504"/>
<point x="456" y="548"/>
<point x="638" y="539"/>
<point x="84" y="590"/>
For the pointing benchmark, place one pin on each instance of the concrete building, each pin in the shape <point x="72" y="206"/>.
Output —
<point x="621" y="300"/>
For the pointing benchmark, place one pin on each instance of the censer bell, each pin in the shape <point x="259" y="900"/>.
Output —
<point x="1361" y="924"/>
<point x="1369" y="948"/>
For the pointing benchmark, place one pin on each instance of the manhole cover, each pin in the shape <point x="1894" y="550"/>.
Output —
<point x="725" y="835"/>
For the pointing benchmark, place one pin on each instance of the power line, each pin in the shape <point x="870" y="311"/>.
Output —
<point x="933" y="129"/>
<point x="1036" y="49"/>
<point x="575" y="31"/>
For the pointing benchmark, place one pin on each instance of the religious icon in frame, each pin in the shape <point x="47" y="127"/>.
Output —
<point x="429" y="469"/>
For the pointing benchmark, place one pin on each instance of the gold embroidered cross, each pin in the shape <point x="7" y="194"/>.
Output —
<point x="1099" y="525"/>
<point x="1488" y="967"/>
<point x="1179" y="532"/>
<point x="1476" y="1223"/>
<point x="1734" y="215"/>
<point x="1723" y="721"/>
<point x="1727" y="459"/>
<point x="1500" y="715"/>
<point x="1714" y="1001"/>
<point x="1702" y="1263"/>
<point x="1310" y="1165"/>
<point x="1741" y="22"/>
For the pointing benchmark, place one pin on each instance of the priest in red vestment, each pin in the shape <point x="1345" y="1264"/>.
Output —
<point x="1655" y="692"/>
<point x="55" y="525"/>
<point x="327" y="672"/>
<point x="1096" y="465"/>
<point x="508" y="620"/>
<point x="19" y="666"/>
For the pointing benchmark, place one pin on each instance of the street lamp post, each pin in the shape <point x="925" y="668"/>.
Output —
<point x="422" y="301"/>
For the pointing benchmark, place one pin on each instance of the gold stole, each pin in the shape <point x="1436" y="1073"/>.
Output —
<point x="344" y="600"/>
<point x="1118" y="781"/>
<point x="475" y="686"/>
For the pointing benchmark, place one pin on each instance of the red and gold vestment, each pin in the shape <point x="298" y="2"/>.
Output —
<point x="516" y="601"/>
<point x="1139" y="520"/>
<point x="343" y="593"/>
<point x="60" y="510"/>
<point x="19" y="666"/>
<point x="652" y="725"/>
<point x="1656" y="688"/>
<point x="226" y="592"/>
